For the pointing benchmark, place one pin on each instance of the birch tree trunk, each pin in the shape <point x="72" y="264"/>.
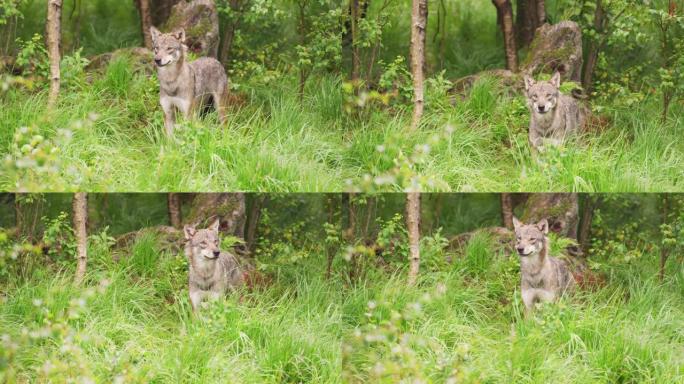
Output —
<point x="505" y="11"/>
<point x="507" y="210"/>
<point x="418" y="25"/>
<point x="80" y="217"/>
<point x="145" y="22"/>
<point x="413" y="226"/>
<point x="174" y="206"/>
<point x="354" y="10"/>
<point x="54" y="32"/>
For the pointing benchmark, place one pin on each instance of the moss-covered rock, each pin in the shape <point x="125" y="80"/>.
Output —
<point x="229" y="208"/>
<point x="556" y="47"/>
<point x="199" y="19"/>
<point x="560" y="209"/>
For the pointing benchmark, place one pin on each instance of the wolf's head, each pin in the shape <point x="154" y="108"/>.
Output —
<point x="168" y="47"/>
<point x="530" y="238"/>
<point x="542" y="96"/>
<point x="202" y="242"/>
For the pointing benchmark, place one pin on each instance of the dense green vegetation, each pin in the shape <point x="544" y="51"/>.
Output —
<point x="132" y="322"/>
<point x="107" y="133"/>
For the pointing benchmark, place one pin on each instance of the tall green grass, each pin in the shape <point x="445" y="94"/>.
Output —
<point x="275" y="143"/>
<point x="628" y="331"/>
<point x="139" y="326"/>
<point x="300" y="328"/>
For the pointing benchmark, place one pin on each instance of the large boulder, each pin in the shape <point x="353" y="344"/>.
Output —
<point x="229" y="208"/>
<point x="556" y="47"/>
<point x="199" y="19"/>
<point x="560" y="209"/>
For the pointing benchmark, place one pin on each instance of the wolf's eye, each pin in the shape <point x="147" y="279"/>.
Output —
<point x="534" y="97"/>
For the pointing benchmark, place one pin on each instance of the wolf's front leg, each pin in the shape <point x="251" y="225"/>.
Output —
<point x="557" y="138"/>
<point x="196" y="299"/>
<point x="187" y="108"/>
<point x="535" y="141"/>
<point x="169" y="118"/>
<point x="528" y="298"/>
<point x="221" y="105"/>
<point x="548" y="296"/>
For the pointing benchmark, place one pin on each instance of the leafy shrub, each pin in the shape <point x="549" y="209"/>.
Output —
<point x="388" y="347"/>
<point x="32" y="58"/>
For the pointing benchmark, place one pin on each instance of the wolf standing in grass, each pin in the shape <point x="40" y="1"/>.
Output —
<point x="555" y="116"/>
<point x="186" y="86"/>
<point x="543" y="278"/>
<point x="212" y="272"/>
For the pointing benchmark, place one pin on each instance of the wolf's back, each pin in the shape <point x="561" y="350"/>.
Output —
<point x="231" y="270"/>
<point x="574" y="113"/>
<point x="209" y="76"/>
<point x="566" y="281"/>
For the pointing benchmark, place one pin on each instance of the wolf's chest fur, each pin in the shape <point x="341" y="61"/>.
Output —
<point x="217" y="274"/>
<point x="544" y="275"/>
<point x="205" y="274"/>
<point x="177" y="83"/>
<point x="535" y="280"/>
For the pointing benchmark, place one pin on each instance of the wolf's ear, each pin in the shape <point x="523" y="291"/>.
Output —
<point x="529" y="82"/>
<point x="555" y="79"/>
<point x="179" y="34"/>
<point x="189" y="231"/>
<point x="543" y="226"/>
<point x="516" y="223"/>
<point x="155" y="33"/>
<point x="214" y="226"/>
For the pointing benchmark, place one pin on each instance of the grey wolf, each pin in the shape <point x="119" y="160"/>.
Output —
<point x="186" y="86"/>
<point x="555" y="116"/>
<point x="213" y="273"/>
<point x="543" y="278"/>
